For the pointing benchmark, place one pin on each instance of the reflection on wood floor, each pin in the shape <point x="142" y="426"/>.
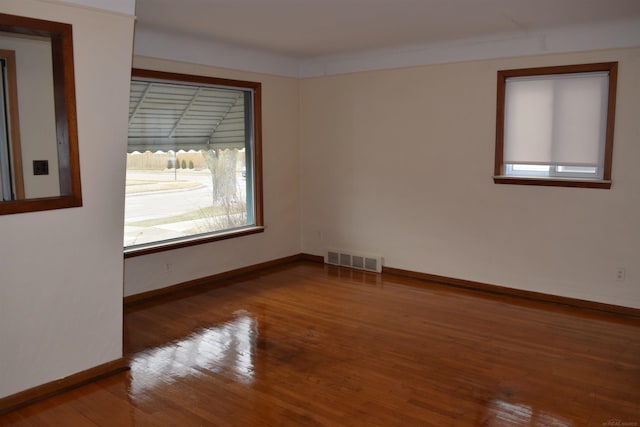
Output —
<point x="312" y="345"/>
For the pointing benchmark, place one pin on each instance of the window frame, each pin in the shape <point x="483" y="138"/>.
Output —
<point x="258" y="227"/>
<point x="556" y="179"/>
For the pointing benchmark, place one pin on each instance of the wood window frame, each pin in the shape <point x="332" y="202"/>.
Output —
<point x="499" y="167"/>
<point x="256" y="87"/>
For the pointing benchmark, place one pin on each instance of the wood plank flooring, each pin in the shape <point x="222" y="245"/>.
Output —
<point x="313" y="345"/>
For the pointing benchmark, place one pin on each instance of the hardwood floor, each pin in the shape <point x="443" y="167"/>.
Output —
<point x="312" y="345"/>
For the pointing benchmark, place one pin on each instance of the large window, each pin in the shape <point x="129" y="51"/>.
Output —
<point x="555" y="125"/>
<point x="193" y="162"/>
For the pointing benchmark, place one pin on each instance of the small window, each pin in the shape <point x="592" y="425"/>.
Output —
<point x="554" y="125"/>
<point x="193" y="162"/>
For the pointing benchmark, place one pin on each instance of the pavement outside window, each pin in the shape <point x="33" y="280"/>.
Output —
<point x="167" y="204"/>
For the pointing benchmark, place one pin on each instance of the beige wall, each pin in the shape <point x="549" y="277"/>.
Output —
<point x="36" y="112"/>
<point x="400" y="163"/>
<point x="61" y="271"/>
<point x="281" y="238"/>
<point x="396" y="162"/>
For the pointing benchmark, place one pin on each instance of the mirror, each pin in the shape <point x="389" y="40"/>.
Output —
<point x="39" y="161"/>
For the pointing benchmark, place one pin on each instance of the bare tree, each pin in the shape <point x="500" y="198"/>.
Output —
<point x="222" y="164"/>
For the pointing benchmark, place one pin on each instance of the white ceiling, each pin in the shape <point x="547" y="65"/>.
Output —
<point x="305" y="29"/>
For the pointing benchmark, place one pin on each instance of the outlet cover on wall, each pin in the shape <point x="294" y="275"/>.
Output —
<point x="41" y="167"/>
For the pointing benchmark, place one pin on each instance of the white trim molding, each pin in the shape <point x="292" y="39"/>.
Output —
<point x="155" y="43"/>
<point x="571" y="39"/>
<point x="125" y="7"/>
<point x="161" y="44"/>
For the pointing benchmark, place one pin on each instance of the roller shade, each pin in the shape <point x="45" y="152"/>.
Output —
<point x="556" y="119"/>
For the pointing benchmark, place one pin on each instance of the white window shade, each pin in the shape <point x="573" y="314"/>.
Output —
<point x="556" y="119"/>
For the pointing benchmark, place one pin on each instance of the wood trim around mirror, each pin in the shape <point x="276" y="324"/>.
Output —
<point x="61" y="37"/>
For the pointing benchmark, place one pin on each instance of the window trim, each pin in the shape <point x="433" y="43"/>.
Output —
<point x="193" y="241"/>
<point x="499" y="168"/>
<point x="215" y="236"/>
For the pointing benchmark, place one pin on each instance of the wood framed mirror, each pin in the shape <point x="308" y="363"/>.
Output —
<point x="39" y="159"/>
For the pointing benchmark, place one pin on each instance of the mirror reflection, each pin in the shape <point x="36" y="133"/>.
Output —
<point x="39" y="167"/>
<point x="28" y="149"/>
